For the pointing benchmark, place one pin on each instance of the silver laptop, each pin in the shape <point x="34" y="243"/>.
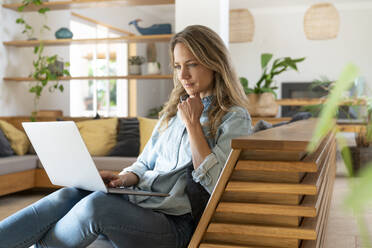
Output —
<point x="66" y="159"/>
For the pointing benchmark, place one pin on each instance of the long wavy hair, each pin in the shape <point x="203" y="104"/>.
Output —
<point x="210" y="51"/>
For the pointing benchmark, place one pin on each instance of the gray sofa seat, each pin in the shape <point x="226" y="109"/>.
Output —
<point x="15" y="164"/>
<point x="108" y="163"/>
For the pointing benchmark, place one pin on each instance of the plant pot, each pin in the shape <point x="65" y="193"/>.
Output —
<point x="153" y="68"/>
<point x="262" y="105"/>
<point x="134" y="69"/>
<point x="56" y="68"/>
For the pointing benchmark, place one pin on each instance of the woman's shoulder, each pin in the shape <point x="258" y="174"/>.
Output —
<point x="237" y="112"/>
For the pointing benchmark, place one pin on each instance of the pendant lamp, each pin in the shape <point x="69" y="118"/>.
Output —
<point x="241" y="25"/>
<point x="321" y="22"/>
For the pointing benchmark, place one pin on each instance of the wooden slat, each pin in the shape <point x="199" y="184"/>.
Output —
<point x="265" y="209"/>
<point x="291" y="137"/>
<point x="18" y="181"/>
<point x="267" y="176"/>
<point x="210" y="245"/>
<point x="254" y="197"/>
<point x="64" y="42"/>
<point x="318" y="222"/>
<point x="269" y="155"/>
<point x="275" y="188"/>
<point x="61" y="5"/>
<point x="214" y="199"/>
<point x="316" y="101"/>
<point x="248" y="240"/>
<point x="263" y="231"/>
<point x="110" y="27"/>
<point x="275" y="166"/>
<point x="23" y="79"/>
<point x="256" y="219"/>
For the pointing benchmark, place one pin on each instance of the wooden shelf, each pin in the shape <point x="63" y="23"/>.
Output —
<point x="75" y="4"/>
<point x="315" y="101"/>
<point x="64" y="42"/>
<point x="139" y="77"/>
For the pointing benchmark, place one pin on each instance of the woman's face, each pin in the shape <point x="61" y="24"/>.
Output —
<point x="195" y="78"/>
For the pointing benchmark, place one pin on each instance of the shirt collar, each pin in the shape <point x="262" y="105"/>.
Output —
<point x="207" y="101"/>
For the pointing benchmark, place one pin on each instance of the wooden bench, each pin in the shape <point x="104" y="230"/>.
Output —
<point x="271" y="192"/>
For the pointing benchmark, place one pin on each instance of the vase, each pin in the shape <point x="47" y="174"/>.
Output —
<point x="262" y="105"/>
<point x="134" y="69"/>
<point x="153" y="68"/>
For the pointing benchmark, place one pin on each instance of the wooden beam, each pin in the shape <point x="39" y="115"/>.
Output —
<point x="118" y="30"/>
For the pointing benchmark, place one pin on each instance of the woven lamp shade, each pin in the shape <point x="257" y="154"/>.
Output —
<point x="241" y="25"/>
<point x="321" y="22"/>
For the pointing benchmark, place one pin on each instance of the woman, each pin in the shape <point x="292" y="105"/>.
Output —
<point x="196" y="130"/>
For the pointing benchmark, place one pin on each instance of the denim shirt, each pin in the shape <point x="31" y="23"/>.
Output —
<point x="162" y="164"/>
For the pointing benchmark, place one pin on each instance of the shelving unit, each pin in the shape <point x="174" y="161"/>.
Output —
<point x="131" y="39"/>
<point x="65" y="42"/>
<point x="315" y="101"/>
<point x="75" y="4"/>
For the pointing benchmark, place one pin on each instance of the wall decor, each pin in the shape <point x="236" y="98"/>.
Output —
<point x="63" y="33"/>
<point x="165" y="28"/>
<point x="321" y="22"/>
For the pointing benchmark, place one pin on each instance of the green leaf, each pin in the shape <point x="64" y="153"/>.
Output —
<point x="61" y="88"/>
<point x="67" y="64"/>
<point x="36" y="48"/>
<point x="265" y="59"/>
<point x="66" y="72"/>
<point x="20" y="21"/>
<point x="21" y="8"/>
<point x="345" y="153"/>
<point x="325" y="122"/>
<point x="43" y="10"/>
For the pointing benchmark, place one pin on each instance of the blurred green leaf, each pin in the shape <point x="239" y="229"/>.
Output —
<point x="325" y="122"/>
<point x="265" y="59"/>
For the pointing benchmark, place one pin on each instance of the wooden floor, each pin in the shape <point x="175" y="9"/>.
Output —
<point x="342" y="231"/>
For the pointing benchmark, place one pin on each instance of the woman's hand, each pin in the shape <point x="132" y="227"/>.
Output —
<point x="191" y="110"/>
<point x="113" y="180"/>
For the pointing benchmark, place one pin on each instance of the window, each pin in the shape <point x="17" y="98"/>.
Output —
<point x="108" y="97"/>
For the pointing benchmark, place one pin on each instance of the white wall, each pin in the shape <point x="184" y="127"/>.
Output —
<point x="280" y="31"/>
<point x="211" y="13"/>
<point x="15" y="98"/>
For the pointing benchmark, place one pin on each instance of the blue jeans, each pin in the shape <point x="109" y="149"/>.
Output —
<point x="72" y="217"/>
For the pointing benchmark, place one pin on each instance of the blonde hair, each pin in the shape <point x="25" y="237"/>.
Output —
<point x="210" y="51"/>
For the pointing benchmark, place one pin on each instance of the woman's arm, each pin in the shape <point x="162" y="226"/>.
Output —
<point x="191" y="110"/>
<point x="235" y="123"/>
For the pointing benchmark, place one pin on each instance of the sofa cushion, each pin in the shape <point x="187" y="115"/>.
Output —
<point x="108" y="163"/>
<point x="14" y="164"/>
<point x="127" y="141"/>
<point x="146" y="126"/>
<point x="18" y="139"/>
<point x="5" y="148"/>
<point x="99" y="135"/>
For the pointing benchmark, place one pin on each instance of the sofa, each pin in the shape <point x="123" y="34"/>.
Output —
<point x="22" y="172"/>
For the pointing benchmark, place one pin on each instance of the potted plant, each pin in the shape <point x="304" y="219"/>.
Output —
<point x="45" y="68"/>
<point x="153" y="66"/>
<point x="135" y="63"/>
<point x="262" y="96"/>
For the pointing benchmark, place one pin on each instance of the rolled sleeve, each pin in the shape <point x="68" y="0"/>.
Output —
<point x="236" y="123"/>
<point x="137" y="168"/>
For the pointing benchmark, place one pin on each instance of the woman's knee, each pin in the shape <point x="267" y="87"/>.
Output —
<point x="92" y="206"/>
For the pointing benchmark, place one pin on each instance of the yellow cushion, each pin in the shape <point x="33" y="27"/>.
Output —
<point x="17" y="139"/>
<point x="99" y="135"/>
<point x="146" y="126"/>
